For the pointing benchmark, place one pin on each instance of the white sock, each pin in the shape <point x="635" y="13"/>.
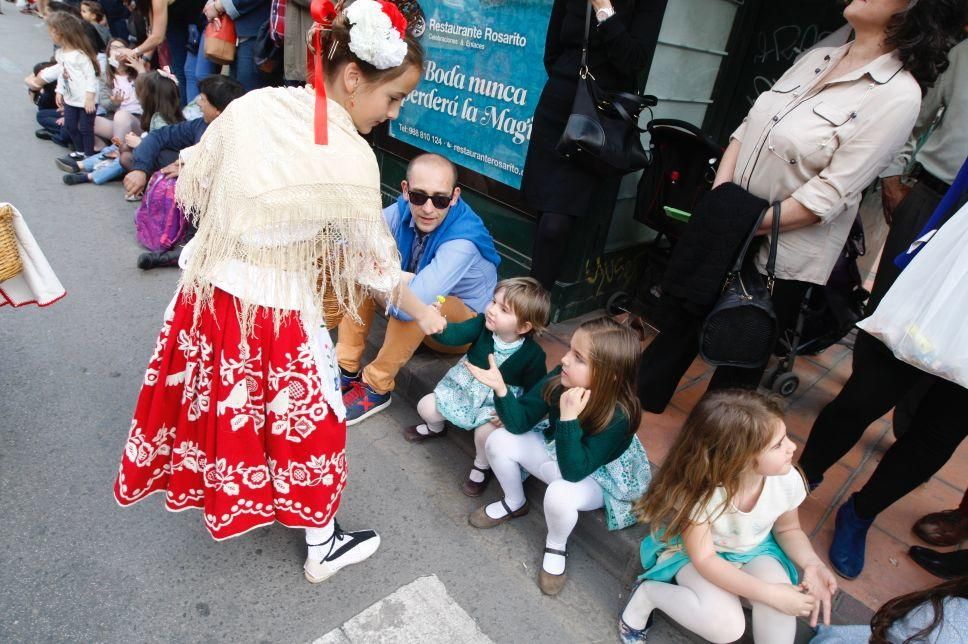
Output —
<point x="318" y="540"/>
<point x="637" y="611"/>
<point x="496" y="510"/>
<point x="475" y="475"/>
<point x="425" y="429"/>
<point x="552" y="563"/>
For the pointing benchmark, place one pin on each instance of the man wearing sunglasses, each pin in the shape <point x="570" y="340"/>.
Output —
<point x="445" y="250"/>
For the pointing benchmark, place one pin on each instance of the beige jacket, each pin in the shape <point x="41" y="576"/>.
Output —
<point x="822" y="141"/>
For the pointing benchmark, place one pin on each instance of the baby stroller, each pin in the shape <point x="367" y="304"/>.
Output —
<point x="827" y="315"/>
<point x="682" y="169"/>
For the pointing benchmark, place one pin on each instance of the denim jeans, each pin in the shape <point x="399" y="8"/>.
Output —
<point x="244" y="68"/>
<point x="102" y="172"/>
<point x="47" y="119"/>
<point x="188" y="67"/>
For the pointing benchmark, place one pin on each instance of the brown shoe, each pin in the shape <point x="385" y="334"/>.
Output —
<point x="480" y="519"/>
<point x="552" y="584"/>
<point x="413" y="436"/>
<point x="948" y="528"/>
<point x="473" y="488"/>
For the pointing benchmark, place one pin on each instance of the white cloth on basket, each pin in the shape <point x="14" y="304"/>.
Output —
<point x="37" y="283"/>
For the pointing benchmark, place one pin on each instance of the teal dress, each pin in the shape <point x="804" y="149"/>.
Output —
<point x="465" y="401"/>
<point x="613" y="457"/>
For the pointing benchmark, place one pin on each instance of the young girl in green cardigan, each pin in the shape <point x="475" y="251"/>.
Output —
<point x="585" y="449"/>
<point x="504" y="333"/>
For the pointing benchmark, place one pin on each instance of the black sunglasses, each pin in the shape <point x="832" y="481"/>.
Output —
<point x="420" y="198"/>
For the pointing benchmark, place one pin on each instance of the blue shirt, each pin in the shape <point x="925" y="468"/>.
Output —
<point x="457" y="269"/>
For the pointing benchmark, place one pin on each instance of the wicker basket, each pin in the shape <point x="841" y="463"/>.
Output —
<point x="10" y="264"/>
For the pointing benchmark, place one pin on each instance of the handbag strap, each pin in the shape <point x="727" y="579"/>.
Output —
<point x="584" y="44"/>
<point x="775" y="232"/>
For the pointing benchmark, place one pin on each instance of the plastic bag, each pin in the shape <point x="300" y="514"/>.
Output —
<point x="923" y="318"/>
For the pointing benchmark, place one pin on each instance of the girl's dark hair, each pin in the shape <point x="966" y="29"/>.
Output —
<point x="95" y="8"/>
<point x="898" y="607"/>
<point x="923" y="33"/>
<point x="70" y="30"/>
<point x="158" y="95"/>
<point x="220" y="90"/>
<point x="337" y="42"/>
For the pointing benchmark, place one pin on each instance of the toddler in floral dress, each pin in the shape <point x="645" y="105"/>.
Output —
<point x="502" y="337"/>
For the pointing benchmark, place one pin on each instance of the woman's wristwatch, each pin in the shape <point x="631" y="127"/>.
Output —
<point x="604" y="14"/>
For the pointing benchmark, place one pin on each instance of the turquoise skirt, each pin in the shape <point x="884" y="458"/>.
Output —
<point x="667" y="569"/>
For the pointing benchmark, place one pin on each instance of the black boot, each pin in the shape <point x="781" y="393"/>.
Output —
<point x="147" y="261"/>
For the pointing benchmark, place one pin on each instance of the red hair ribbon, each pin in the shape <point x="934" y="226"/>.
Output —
<point x="323" y="13"/>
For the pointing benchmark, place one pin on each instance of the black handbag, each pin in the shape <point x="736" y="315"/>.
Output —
<point x="741" y="329"/>
<point x="602" y="134"/>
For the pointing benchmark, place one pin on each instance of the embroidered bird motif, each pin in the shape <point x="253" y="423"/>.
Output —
<point x="236" y="399"/>
<point x="280" y="404"/>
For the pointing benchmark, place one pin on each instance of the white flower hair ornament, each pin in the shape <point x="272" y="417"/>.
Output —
<point x="377" y="31"/>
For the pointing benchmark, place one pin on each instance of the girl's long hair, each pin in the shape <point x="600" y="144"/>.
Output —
<point x="70" y="31"/>
<point x="717" y="444"/>
<point x="614" y="365"/>
<point x="898" y="607"/>
<point x="110" y="73"/>
<point x="158" y="95"/>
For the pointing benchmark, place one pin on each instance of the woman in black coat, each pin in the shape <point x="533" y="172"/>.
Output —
<point x="622" y="40"/>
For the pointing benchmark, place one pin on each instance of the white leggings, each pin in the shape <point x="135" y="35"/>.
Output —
<point x="563" y="500"/>
<point x="427" y="408"/>
<point x="713" y="613"/>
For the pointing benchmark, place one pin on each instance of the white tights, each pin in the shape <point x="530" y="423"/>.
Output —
<point x="563" y="499"/>
<point x="711" y="612"/>
<point x="427" y="408"/>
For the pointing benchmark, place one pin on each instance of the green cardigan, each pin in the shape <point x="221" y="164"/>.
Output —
<point x="579" y="454"/>
<point x="523" y="368"/>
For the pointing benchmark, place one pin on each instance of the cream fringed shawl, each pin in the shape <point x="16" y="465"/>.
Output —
<point x="261" y="192"/>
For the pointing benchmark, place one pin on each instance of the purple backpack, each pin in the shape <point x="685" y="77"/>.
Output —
<point x="160" y="222"/>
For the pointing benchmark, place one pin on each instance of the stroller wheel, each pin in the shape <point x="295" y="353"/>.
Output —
<point x="785" y="384"/>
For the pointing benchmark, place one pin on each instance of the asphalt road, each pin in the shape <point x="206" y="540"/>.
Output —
<point x="74" y="566"/>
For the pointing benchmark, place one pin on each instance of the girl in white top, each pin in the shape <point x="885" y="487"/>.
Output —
<point x="723" y="510"/>
<point x="76" y="76"/>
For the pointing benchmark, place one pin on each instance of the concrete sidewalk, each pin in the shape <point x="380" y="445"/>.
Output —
<point x="889" y="572"/>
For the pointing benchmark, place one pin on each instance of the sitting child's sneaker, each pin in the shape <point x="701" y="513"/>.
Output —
<point x="344" y="549"/>
<point x="362" y="402"/>
<point x="68" y="163"/>
<point x="75" y="178"/>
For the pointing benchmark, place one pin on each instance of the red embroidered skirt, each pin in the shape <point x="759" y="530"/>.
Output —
<point x="237" y="427"/>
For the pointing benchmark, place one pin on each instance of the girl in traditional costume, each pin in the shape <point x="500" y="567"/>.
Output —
<point x="240" y="413"/>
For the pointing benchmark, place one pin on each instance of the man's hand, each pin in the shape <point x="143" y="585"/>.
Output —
<point x="89" y="106"/>
<point x="59" y="100"/>
<point x="431" y="321"/>
<point x="172" y="169"/>
<point x="59" y="121"/>
<point x="893" y="192"/>
<point x="135" y="182"/>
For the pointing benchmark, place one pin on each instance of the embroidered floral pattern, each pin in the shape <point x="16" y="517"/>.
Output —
<point x="201" y="437"/>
